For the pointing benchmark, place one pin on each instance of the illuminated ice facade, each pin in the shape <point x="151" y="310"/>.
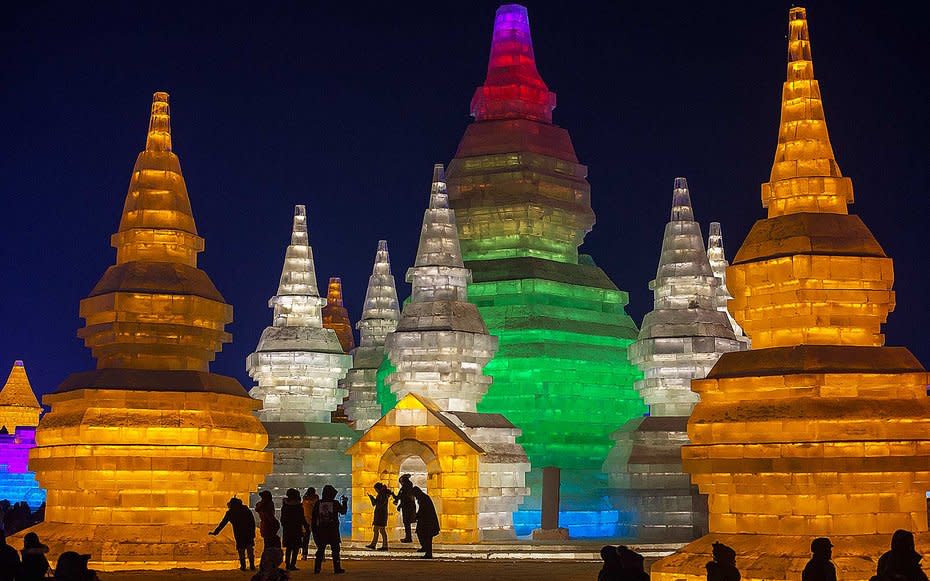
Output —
<point x="718" y="263"/>
<point x="680" y="340"/>
<point x="820" y="430"/>
<point x="470" y="462"/>
<point x="140" y="456"/>
<point x="523" y="206"/>
<point x="297" y="366"/>
<point x="380" y="315"/>
<point x="19" y="415"/>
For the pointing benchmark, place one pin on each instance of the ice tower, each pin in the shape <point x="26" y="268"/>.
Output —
<point x="523" y="206"/>
<point x="819" y="430"/>
<point x="18" y="403"/>
<point x="297" y="366"/>
<point x="680" y="340"/>
<point x="336" y="316"/>
<point x="469" y="462"/>
<point x="380" y="315"/>
<point x="140" y="456"/>
<point x="716" y="254"/>
<point x="19" y="415"/>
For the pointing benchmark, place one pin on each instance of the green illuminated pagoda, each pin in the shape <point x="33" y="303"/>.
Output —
<point x="523" y="208"/>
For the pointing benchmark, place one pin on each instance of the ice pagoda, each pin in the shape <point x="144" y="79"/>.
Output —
<point x="140" y="456"/>
<point x="680" y="340"/>
<point x="523" y="205"/>
<point x="19" y="416"/>
<point x="380" y="315"/>
<point x="336" y="316"/>
<point x="297" y="366"/>
<point x="469" y="462"/>
<point x="819" y="430"/>
<point x="716" y="255"/>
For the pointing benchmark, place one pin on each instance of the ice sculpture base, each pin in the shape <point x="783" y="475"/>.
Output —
<point x="309" y="454"/>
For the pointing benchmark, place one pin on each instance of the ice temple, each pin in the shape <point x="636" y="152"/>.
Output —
<point x="140" y="456"/>
<point x="523" y="206"/>
<point x="819" y="430"/>
<point x="19" y="415"/>
<point x="297" y="366"/>
<point x="468" y="462"/>
<point x="380" y="315"/>
<point x="680" y="340"/>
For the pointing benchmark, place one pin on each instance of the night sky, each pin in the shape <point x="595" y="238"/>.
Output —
<point x="345" y="107"/>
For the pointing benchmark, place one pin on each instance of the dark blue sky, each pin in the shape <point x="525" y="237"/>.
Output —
<point x="346" y="106"/>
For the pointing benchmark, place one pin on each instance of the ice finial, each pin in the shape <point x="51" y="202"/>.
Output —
<point x="159" y="136"/>
<point x="381" y="310"/>
<point x="336" y="316"/>
<point x="805" y="175"/>
<point x="513" y="88"/>
<point x="681" y="201"/>
<point x="334" y="291"/>
<point x="438" y="198"/>
<point x="298" y="301"/>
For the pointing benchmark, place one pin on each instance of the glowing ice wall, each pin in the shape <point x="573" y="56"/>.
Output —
<point x="523" y="207"/>
<point x="680" y="340"/>
<point x="17" y="483"/>
<point x="18" y="403"/>
<point x="819" y="430"/>
<point x="380" y="315"/>
<point x="140" y="456"/>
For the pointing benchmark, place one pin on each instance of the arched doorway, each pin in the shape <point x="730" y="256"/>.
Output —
<point x="414" y="458"/>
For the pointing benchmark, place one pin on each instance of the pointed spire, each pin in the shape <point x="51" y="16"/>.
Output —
<point x="439" y="239"/>
<point x="683" y="255"/>
<point x="159" y="137"/>
<point x="381" y="310"/>
<point x="681" y="201"/>
<point x="18" y="403"/>
<point x="513" y="88"/>
<point x="334" y="291"/>
<point x="298" y="301"/>
<point x="716" y="255"/>
<point x="805" y="175"/>
<point x="336" y="316"/>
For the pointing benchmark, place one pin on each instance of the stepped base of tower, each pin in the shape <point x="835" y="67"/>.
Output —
<point x="127" y="547"/>
<point x="779" y="557"/>
<point x="649" y="489"/>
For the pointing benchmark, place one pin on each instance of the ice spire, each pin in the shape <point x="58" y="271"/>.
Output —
<point x="159" y="136"/>
<point x="682" y="254"/>
<point x="18" y="403"/>
<point x="336" y="316"/>
<point x="381" y="310"/>
<point x="681" y="201"/>
<point x="513" y="88"/>
<point x="805" y="176"/>
<point x="718" y="263"/>
<point x="298" y="302"/>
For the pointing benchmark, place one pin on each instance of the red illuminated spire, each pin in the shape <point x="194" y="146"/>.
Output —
<point x="513" y="88"/>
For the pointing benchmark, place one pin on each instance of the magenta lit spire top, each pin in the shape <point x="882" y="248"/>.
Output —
<point x="513" y="88"/>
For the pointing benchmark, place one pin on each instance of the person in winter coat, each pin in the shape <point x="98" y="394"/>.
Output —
<point x="427" y="522"/>
<point x="325" y="525"/>
<point x="379" y="522"/>
<point x="295" y="527"/>
<point x="723" y="567"/>
<point x="9" y="560"/>
<point x="73" y="567"/>
<point x="268" y="524"/>
<point x="407" y="505"/>
<point x="35" y="564"/>
<point x="820" y="567"/>
<point x="902" y="562"/>
<point x="309" y="501"/>
<point x="632" y="565"/>
<point x="610" y="570"/>
<point x="243" y="525"/>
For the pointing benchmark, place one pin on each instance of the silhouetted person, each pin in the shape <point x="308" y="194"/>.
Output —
<point x="326" y="528"/>
<point x="407" y="505"/>
<point x="723" y="567"/>
<point x="35" y="565"/>
<point x="309" y="501"/>
<point x="427" y="522"/>
<point x="73" y="567"/>
<point x="268" y="524"/>
<point x="379" y="522"/>
<point x="295" y="527"/>
<point x="610" y="571"/>
<point x="632" y="565"/>
<point x="902" y="562"/>
<point x="9" y="560"/>
<point x="269" y="569"/>
<point x="243" y="525"/>
<point x="820" y="567"/>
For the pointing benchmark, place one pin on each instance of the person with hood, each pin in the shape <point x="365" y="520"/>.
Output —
<point x="309" y="501"/>
<point x="243" y="525"/>
<point x="268" y="524"/>
<point x="35" y="564"/>
<point x="427" y="522"/>
<point x="723" y="567"/>
<point x="407" y="504"/>
<point x="9" y="560"/>
<point x="325" y="524"/>
<point x="902" y="562"/>
<point x="73" y="567"/>
<point x="632" y="565"/>
<point x="820" y="567"/>
<point x="379" y="522"/>
<point x="295" y="527"/>
<point x="610" y="571"/>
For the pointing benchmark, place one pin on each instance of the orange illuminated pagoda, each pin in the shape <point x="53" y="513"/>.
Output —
<point x="18" y="403"/>
<point x="336" y="316"/>
<point x="140" y="456"/>
<point x="820" y="430"/>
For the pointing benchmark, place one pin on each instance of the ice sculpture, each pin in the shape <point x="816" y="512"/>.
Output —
<point x="19" y="415"/>
<point x="716" y="254"/>
<point x="470" y="462"/>
<point x="680" y="340"/>
<point x="380" y="315"/>
<point x="336" y="316"/>
<point x="819" y="430"/>
<point x="523" y="207"/>
<point x="140" y="456"/>
<point x="297" y="366"/>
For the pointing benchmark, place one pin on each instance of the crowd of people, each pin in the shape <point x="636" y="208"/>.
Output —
<point x="31" y="564"/>
<point x="17" y="516"/>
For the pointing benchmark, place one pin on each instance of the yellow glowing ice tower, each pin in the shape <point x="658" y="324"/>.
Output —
<point x="140" y="456"/>
<point x="819" y="430"/>
<point x="18" y="403"/>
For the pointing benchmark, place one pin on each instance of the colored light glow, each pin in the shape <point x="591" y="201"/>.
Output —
<point x="336" y="316"/>
<point x="17" y="483"/>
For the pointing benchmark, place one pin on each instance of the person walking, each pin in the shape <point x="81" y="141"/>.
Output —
<point x="35" y="564"/>
<point x="309" y="501"/>
<point x="407" y="505"/>
<point x="820" y="567"/>
<point x="325" y="523"/>
<point x="243" y="525"/>
<point x="295" y="527"/>
<point x="427" y="522"/>
<point x="379" y="522"/>
<point x="902" y="562"/>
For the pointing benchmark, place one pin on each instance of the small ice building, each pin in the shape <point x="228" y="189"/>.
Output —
<point x="19" y="416"/>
